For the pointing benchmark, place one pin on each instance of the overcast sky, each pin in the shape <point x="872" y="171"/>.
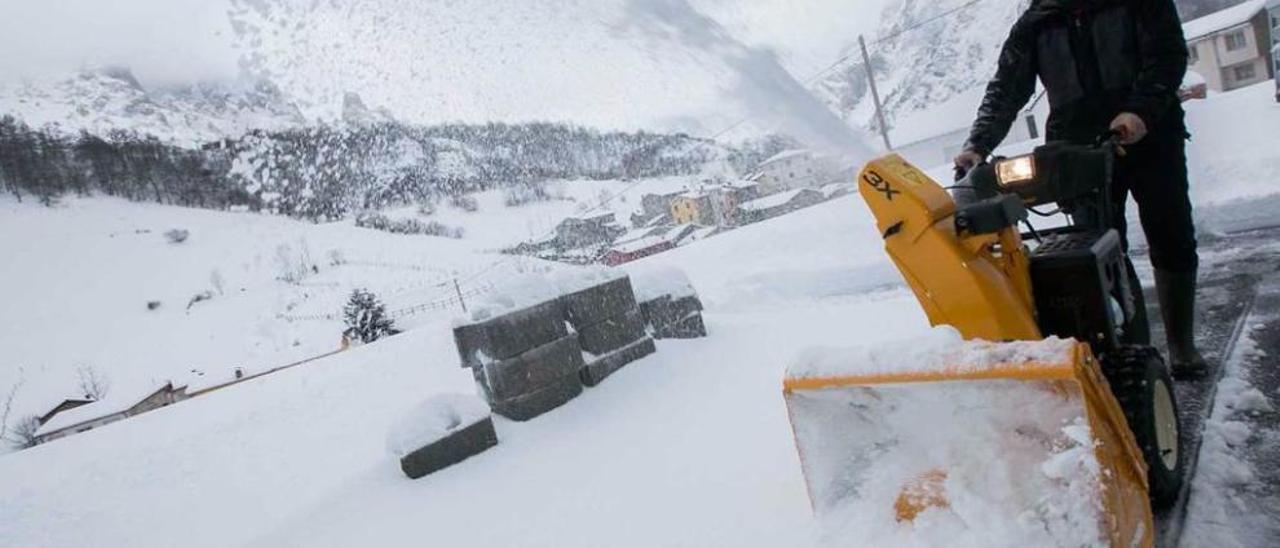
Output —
<point x="161" y="40"/>
<point x="184" y="40"/>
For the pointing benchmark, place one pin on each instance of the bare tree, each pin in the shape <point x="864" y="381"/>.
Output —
<point x="7" y="409"/>
<point x="93" y="383"/>
<point x="23" y="434"/>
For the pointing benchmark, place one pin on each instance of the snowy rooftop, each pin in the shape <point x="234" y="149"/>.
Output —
<point x="110" y="405"/>
<point x="632" y="246"/>
<point x="741" y="183"/>
<point x="773" y="200"/>
<point x="1222" y="20"/>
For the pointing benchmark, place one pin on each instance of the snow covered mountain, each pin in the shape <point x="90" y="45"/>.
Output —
<point x="914" y="68"/>
<point x="109" y="100"/>
<point x="927" y="52"/>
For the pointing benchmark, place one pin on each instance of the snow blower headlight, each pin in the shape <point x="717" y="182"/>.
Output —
<point x="1016" y="171"/>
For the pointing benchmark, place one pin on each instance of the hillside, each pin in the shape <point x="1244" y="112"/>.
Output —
<point x="926" y="52"/>
<point x="109" y="101"/>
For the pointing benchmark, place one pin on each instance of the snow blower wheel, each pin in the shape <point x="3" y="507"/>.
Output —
<point x="1142" y="385"/>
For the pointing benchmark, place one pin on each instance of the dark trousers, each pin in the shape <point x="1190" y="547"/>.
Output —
<point x="1154" y="171"/>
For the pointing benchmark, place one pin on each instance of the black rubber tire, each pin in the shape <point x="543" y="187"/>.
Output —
<point x="1136" y="374"/>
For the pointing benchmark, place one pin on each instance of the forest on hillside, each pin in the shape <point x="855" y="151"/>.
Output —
<point x="330" y="172"/>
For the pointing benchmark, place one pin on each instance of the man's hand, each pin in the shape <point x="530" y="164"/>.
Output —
<point x="968" y="160"/>
<point x="1129" y="127"/>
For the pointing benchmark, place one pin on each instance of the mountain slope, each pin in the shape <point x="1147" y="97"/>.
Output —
<point x="109" y="100"/>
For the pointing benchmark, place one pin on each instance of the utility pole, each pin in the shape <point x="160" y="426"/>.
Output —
<point x="875" y="94"/>
<point x="458" y="289"/>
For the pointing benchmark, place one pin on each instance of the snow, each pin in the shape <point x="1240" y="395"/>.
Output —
<point x="651" y="282"/>
<point x="861" y="447"/>
<point x="1230" y="160"/>
<point x="433" y="420"/>
<point x="942" y="349"/>
<point x="1221" y="511"/>
<point x="773" y="200"/>
<point x="1192" y="79"/>
<point x="299" y="457"/>
<point x="78" y="278"/>
<point x="689" y="447"/>
<point x="784" y="155"/>
<point x="601" y="63"/>
<point x="1222" y="20"/>
<point x="515" y="294"/>
<point x="954" y="114"/>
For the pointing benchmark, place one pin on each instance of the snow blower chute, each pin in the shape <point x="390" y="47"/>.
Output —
<point x="1025" y="440"/>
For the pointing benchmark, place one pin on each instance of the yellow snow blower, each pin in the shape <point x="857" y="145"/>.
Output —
<point x="1038" y="405"/>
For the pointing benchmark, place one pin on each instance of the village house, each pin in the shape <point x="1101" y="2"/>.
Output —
<point x="66" y="405"/>
<point x="776" y="205"/>
<point x="653" y="206"/>
<point x="589" y="230"/>
<point x="1273" y="14"/>
<point x="649" y="243"/>
<point x="710" y="207"/>
<point x="793" y="169"/>
<point x="1232" y="48"/>
<point x="85" y="417"/>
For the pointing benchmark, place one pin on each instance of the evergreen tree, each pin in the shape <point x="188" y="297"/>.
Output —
<point x="366" y="318"/>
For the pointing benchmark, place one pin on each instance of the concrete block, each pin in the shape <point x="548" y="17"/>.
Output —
<point x="596" y="371"/>
<point x="450" y="450"/>
<point x="511" y="334"/>
<point x="533" y="370"/>
<point x="595" y="304"/>
<point x="529" y="406"/>
<point x="612" y="333"/>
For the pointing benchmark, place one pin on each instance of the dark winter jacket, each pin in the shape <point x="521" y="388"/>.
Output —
<point x="1097" y="58"/>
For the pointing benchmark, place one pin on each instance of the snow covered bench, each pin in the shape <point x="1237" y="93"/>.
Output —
<point x="440" y="432"/>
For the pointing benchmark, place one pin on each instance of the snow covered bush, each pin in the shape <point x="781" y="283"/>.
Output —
<point x="366" y="318"/>
<point x="465" y="203"/>
<point x="22" y="435"/>
<point x="177" y="235"/>
<point x="523" y="194"/>
<point x="295" y="264"/>
<point x="381" y="222"/>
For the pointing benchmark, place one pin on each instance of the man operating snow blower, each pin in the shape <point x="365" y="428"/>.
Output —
<point x="1112" y="65"/>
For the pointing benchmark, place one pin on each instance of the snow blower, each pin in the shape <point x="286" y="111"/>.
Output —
<point x="987" y="426"/>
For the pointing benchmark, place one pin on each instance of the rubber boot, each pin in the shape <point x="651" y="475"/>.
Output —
<point x="1177" y="292"/>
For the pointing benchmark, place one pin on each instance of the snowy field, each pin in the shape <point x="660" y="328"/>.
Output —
<point x="690" y="447"/>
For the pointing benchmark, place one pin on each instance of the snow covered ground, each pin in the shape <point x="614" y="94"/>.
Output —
<point x="690" y="447"/>
<point x="1235" y="499"/>
<point x="99" y="262"/>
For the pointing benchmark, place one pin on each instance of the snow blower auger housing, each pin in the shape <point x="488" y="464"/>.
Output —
<point x="1019" y="403"/>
